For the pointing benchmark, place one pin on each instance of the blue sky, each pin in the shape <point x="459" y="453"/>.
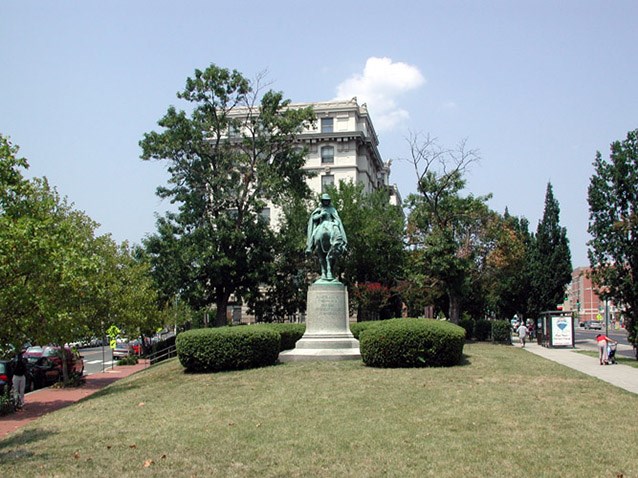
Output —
<point x="537" y="87"/>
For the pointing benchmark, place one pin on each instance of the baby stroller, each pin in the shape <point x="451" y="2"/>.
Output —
<point x="611" y="354"/>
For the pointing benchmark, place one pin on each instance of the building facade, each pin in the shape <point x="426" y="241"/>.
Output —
<point x="342" y="145"/>
<point x="582" y="298"/>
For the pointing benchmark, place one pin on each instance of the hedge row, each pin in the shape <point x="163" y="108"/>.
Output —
<point x="289" y="333"/>
<point x="227" y="348"/>
<point x="483" y="330"/>
<point x="411" y="343"/>
<point x="387" y="343"/>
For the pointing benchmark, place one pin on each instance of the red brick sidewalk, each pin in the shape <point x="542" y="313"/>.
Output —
<point x="48" y="400"/>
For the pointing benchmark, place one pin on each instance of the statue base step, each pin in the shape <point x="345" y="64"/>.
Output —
<point x="327" y="335"/>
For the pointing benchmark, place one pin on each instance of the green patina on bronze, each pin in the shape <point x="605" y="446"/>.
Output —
<point x="327" y="238"/>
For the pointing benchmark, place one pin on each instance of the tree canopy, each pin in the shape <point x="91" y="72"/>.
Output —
<point x="59" y="281"/>
<point x="234" y="152"/>
<point x="613" y="226"/>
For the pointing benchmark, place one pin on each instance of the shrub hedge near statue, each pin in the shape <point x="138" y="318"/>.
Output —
<point x="227" y="348"/>
<point x="358" y="327"/>
<point x="412" y="343"/>
<point x="290" y="333"/>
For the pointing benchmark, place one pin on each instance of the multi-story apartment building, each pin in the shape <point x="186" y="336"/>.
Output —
<point x="342" y="145"/>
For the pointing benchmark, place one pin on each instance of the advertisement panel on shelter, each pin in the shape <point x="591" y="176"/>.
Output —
<point x="562" y="331"/>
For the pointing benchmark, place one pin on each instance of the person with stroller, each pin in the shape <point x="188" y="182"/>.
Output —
<point x="603" y="353"/>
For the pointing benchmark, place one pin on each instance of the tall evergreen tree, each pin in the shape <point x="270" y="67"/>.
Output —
<point x="551" y="264"/>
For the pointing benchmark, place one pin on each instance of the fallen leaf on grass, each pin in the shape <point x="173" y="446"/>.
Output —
<point x="133" y="446"/>
<point x="148" y="463"/>
<point x="163" y="457"/>
<point x="76" y="455"/>
<point x="141" y="404"/>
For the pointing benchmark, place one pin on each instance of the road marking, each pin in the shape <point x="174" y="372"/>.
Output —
<point x="93" y="362"/>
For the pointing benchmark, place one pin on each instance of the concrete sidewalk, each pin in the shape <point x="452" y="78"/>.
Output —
<point x="622" y="376"/>
<point x="47" y="400"/>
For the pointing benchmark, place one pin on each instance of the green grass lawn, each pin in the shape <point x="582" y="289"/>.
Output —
<point x="504" y="413"/>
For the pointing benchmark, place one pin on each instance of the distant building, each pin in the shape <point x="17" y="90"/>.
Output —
<point x="342" y="146"/>
<point x="582" y="298"/>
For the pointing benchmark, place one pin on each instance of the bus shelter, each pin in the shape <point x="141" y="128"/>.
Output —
<point x="555" y="328"/>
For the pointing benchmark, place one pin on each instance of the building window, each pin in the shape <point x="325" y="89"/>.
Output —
<point x="264" y="215"/>
<point x="327" y="125"/>
<point x="326" y="180"/>
<point x="327" y="155"/>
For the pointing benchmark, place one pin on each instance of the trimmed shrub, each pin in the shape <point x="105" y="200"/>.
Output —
<point x="7" y="404"/>
<point x="358" y="327"/>
<point x="501" y="331"/>
<point x="130" y="360"/>
<point x="290" y="333"/>
<point x="227" y="348"/>
<point x="468" y="325"/>
<point x="412" y="343"/>
<point x="482" y="330"/>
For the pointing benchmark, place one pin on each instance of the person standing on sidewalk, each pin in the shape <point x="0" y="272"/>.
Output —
<point x="522" y="333"/>
<point x="602" y="341"/>
<point x="19" y="380"/>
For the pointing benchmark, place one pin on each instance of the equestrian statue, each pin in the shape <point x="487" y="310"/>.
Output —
<point x="326" y="237"/>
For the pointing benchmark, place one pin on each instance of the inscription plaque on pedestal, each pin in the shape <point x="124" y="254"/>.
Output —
<point x="327" y="335"/>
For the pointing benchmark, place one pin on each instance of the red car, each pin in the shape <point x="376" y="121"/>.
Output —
<point x="45" y="364"/>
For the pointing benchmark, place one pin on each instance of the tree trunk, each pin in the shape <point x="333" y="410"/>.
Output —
<point x="65" y="366"/>
<point x="455" y="307"/>
<point x="221" y="303"/>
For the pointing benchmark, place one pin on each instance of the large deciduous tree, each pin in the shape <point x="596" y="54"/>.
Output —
<point x="234" y="151"/>
<point x="444" y="226"/>
<point x="613" y="225"/>
<point x="376" y="250"/>
<point x="58" y="281"/>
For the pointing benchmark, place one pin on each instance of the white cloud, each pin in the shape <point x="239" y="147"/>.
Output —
<point x="381" y="82"/>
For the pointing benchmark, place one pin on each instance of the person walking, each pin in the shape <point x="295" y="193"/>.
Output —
<point x="19" y="380"/>
<point x="603" y="341"/>
<point x="522" y="333"/>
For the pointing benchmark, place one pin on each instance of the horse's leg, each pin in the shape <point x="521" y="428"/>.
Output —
<point x="328" y="268"/>
<point x="323" y="261"/>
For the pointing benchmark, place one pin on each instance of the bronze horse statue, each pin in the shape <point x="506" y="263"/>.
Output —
<point x="326" y="237"/>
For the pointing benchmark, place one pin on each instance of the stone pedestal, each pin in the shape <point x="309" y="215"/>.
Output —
<point x="327" y="335"/>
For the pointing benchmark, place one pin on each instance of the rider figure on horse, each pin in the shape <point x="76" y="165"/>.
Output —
<point x="326" y="236"/>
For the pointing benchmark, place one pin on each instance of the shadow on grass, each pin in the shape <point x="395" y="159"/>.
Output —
<point x="10" y="448"/>
<point x="465" y="361"/>
<point x="108" y="390"/>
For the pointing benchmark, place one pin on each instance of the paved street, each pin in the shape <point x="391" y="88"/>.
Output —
<point x="96" y="359"/>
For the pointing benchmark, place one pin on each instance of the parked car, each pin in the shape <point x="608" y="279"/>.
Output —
<point x="33" y="353"/>
<point x="6" y="375"/>
<point x="45" y="364"/>
<point x="594" y="324"/>
<point x="123" y="349"/>
<point x="137" y="346"/>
